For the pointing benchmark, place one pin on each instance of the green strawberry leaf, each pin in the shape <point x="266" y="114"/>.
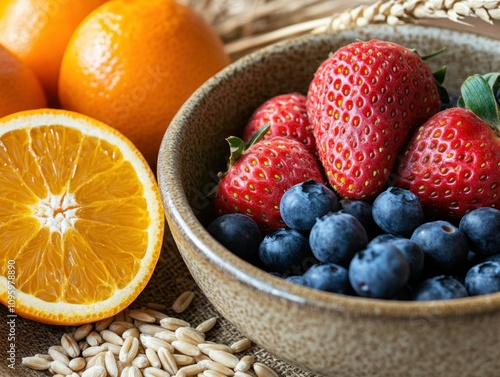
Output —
<point x="478" y="96"/>
<point x="237" y="146"/>
<point x="258" y="135"/>
<point x="430" y="55"/>
<point x="236" y="149"/>
<point x="439" y="75"/>
<point x="461" y="103"/>
<point x="493" y="80"/>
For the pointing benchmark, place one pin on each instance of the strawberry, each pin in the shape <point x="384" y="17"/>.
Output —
<point x="453" y="161"/>
<point x="258" y="177"/>
<point x="364" y="102"/>
<point x="287" y="116"/>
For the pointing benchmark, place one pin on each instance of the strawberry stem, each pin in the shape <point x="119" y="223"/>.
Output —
<point x="478" y="95"/>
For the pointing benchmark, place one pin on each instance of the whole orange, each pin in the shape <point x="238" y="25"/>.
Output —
<point x="19" y="87"/>
<point x="37" y="31"/>
<point x="133" y="63"/>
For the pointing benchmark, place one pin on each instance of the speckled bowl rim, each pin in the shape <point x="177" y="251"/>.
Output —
<point x="180" y="215"/>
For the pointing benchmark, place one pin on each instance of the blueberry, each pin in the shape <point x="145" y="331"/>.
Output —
<point x="303" y="203"/>
<point x="238" y="233"/>
<point x="410" y="250"/>
<point x="439" y="288"/>
<point x="452" y="101"/>
<point x="444" y="245"/>
<point x="398" y="211"/>
<point x="498" y="95"/>
<point x="363" y="212"/>
<point x="379" y="271"/>
<point x="296" y="279"/>
<point x="404" y="294"/>
<point x="483" y="278"/>
<point x="284" y="250"/>
<point x="493" y="258"/>
<point x="381" y="238"/>
<point x="482" y="228"/>
<point x="414" y="254"/>
<point x="336" y="237"/>
<point x="328" y="277"/>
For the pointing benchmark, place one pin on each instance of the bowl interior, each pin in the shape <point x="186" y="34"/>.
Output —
<point x="194" y="149"/>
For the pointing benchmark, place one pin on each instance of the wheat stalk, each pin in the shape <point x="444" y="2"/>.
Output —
<point x="249" y="24"/>
<point x="395" y="12"/>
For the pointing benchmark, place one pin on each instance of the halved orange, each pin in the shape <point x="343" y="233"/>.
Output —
<point x="81" y="220"/>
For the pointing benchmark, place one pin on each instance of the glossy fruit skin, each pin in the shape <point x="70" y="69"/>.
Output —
<point x="20" y="88"/>
<point x="483" y="278"/>
<point x="444" y="245"/>
<point x="328" y="277"/>
<point x="296" y="279"/>
<point x="452" y="164"/>
<point x="287" y="116"/>
<point x="381" y="238"/>
<point x="38" y="33"/>
<point x="255" y="184"/>
<point x="482" y="228"/>
<point x="238" y="233"/>
<point x="397" y="211"/>
<point x="361" y="210"/>
<point x="364" y="102"/>
<point x="305" y="202"/>
<point x="379" y="271"/>
<point x="133" y="63"/>
<point x="413" y="254"/>
<point x="494" y="258"/>
<point x="336" y="237"/>
<point x="284" y="251"/>
<point x="410" y="250"/>
<point x="439" y="288"/>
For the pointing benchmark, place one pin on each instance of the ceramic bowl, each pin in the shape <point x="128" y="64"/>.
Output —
<point x="328" y="334"/>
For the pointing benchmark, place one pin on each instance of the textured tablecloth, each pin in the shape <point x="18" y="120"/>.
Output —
<point x="171" y="278"/>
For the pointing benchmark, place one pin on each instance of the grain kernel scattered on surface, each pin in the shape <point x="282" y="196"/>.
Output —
<point x="224" y="358"/>
<point x="111" y="337"/>
<point x="207" y="325"/>
<point x="35" y="362"/>
<point x="146" y="343"/>
<point x="190" y="335"/>
<point x="186" y="348"/>
<point x="59" y="367"/>
<point x="173" y="324"/>
<point x="241" y="345"/>
<point x="104" y="323"/>
<point x="77" y="364"/>
<point x="182" y="360"/>
<point x="153" y="359"/>
<point x="142" y="315"/>
<point x="59" y="356"/>
<point x="245" y="363"/>
<point x="82" y="331"/>
<point x="140" y="361"/>
<point x="217" y="367"/>
<point x="183" y="301"/>
<point x="263" y="370"/>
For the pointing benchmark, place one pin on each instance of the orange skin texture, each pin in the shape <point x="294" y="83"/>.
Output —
<point x="38" y="32"/>
<point x="20" y="88"/>
<point x="132" y="64"/>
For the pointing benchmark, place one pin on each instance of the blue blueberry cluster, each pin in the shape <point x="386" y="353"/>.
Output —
<point x="384" y="249"/>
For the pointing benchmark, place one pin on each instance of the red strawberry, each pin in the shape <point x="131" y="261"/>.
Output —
<point x="364" y="102"/>
<point x="287" y="116"/>
<point x="453" y="161"/>
<point x="258" y="178"/>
